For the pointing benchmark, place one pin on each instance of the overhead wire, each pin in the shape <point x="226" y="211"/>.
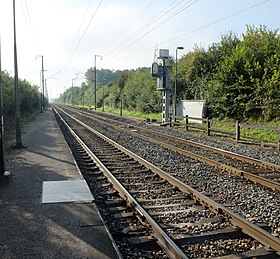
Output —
<point x="130" y="24"/>
<point x="77" y="34"/>
<point x="199" y="28"/>
<point x="163" y="12"/>
<point x="27" y="19"/>
<point x="172" y="15"/>
<point x="187" y="5"/>
<point x="82" y="36"/>
<point x="216" y="21"/>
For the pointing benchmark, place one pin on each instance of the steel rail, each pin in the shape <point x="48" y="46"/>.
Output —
<point x="230" y="154"/>
<point x="164" y="241"/>
<point x="247" y="227"/>
<point x="247" y="175"/>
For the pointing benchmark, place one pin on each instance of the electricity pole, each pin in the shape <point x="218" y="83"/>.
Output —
<point x="43" y="84"/>
<point x="95" y="79"/>
<point x="17" y="103"/>
<point x="175" y="85"/>
<point x="2" y="158"/>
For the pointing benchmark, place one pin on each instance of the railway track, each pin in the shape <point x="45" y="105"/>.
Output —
<point x="257" y="171"/>
<point x="184" y="222"/>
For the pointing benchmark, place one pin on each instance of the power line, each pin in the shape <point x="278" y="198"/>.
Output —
<point x="153" y="20"/>
<point x="130" y="24"/>
<point x="216" y="21"/>
<point x="81" y="38"/>
<point x="76" y="37"/>
<point x="176" y="12"/>
<point x="27" y="19"/>
<point x="199" y="28"/>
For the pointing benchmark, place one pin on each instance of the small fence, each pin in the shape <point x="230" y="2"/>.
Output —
<point x="207" y="125"/>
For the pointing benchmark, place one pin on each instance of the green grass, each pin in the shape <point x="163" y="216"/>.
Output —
<point x="132" y="114"/>
<point x="252" y="134"/>
<point x="249" y="134"/>
<point x="260" y="135"/>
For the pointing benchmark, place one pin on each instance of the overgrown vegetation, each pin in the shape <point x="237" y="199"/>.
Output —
<point x="239" y="76"/>
<point x="136" y="89"/>
<point x="29" y="101"/>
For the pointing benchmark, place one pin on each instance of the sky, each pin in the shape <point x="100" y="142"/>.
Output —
<point x="74" y="35"/>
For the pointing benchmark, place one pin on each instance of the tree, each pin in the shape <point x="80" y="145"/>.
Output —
<point x="249" y="77"/>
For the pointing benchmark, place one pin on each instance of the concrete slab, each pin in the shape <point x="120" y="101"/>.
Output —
<point x="66" y="191"/>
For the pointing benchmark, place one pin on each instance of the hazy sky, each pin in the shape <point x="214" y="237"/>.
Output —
<point x="68" y="33"/>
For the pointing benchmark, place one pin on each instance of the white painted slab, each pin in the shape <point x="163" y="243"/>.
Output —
<point x="66" y="191"/>
<point x="192" y="108"/>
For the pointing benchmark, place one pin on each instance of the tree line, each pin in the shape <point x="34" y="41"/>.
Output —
<point x="30" y="99"/>
<point x="238" y="76"/>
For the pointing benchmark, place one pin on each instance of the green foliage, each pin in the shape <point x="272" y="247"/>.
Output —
<point x="239" y="77"/>
<point x="103" y="76"/>
<point x="30" y="100"/>
<point x="135" y="88"/>
<point x="140" y="93"/>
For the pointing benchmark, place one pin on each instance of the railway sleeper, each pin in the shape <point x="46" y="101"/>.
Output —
<point x="144" y="184"/>
<point x="160" y="213"/>
<point x="115" y="202"/>
<point x="133" y="176"/>
<point x="92" y="173"/>
<point x="157" y="190"/>
<point x="174" y="197"/>
<point x="183" y="203"/>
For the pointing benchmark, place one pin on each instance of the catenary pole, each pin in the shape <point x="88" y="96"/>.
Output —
<point x="42" y="81"/>
<point x="17" y="103"/>
<point x="95" y="79"/>
<point x="43" y="85"/>
<point x="2" y="157"/>
<point x="175" y="85"/>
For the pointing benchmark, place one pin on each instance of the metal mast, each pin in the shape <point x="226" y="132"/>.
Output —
<point x="2" y="158"/>
<point x="17" y="101"/>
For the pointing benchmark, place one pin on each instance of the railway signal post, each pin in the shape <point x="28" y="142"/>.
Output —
<point x="160" y="71"/>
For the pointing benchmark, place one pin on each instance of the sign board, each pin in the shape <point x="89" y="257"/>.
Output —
<point x="163" y="53"/>
<point x="192" y="108"/>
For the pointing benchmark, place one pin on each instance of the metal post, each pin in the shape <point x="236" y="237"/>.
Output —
<point x="2" y="157"/>
<point x="175" y="85"/>
<point x="47" y="95"/>
<point x="83" y="97"/>
<point x="121" y="108"/>
<point x="42" y="81"/>
<point x="208" y="126"/>
<point x="237" y="130"/>
<point x="17" y="101"/>
<point x="43" y="84"/>
<point x="279" y="138"/>
<point x="94" y="82"/>
<point x="95" y="79"/>
<point x="72" y="91"/>
<point x="103" y="98"/>
<point x="165" y="95"/>
<point x="187" y="122"/>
